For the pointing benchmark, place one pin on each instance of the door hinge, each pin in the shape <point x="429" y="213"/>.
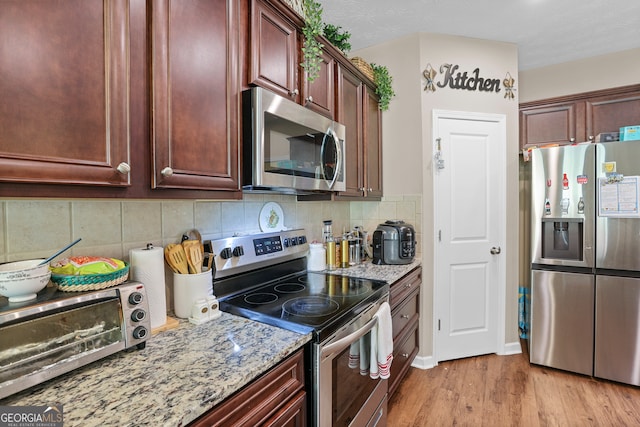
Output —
<point x="438" y="324"/>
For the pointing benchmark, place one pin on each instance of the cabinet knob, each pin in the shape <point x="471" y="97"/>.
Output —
<point x="124" y="168"/>
<point x="572" y="140"/>
<point x="408" y="285"/>
<point x="310" y="99"/>
<point x="590" y="137"/>
<point x="405" y="316"/>
<point x="370" y="189"/>
<point x="405" y="355"/>
<point x="166" y="171"/>
<point x="294" y="93"/>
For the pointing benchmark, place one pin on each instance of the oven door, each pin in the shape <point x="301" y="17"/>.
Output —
<point x="345" y="397"/>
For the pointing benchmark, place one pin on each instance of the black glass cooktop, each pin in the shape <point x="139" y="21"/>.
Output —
<point x="306" y="302"/>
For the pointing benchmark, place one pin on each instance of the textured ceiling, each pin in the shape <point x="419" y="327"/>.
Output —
<point x="546" y="31"/>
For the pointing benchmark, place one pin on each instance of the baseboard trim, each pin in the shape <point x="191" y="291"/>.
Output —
<point x="428" y="362"/>
<point x="511" y="348"/>
<point x="423" y="362"/>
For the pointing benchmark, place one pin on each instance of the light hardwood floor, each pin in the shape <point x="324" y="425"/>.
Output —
<point x="507" y="391"/>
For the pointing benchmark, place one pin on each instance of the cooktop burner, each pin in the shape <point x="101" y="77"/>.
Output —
<point x="305" y="302"/>
<point x="310" y="306"/>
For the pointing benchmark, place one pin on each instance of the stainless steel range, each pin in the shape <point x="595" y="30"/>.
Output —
<point x="263" y="277"/>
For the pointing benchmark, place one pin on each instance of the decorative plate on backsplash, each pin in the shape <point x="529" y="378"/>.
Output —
<point x="271" y="217"/>
<point x="296" y="5"/>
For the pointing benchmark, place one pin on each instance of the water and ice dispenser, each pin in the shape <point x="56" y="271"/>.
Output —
<point x="562" y="238"/>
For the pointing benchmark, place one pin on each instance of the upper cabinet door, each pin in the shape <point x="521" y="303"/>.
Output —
<point x="195" y="94"/>
<point x="610" y="113"/>
<point x="64" y="85"/>
<point x="551" y="124"/>
<point x="349" y="113"/>
<point x="319" y="95"/>
<point x="372" y="144"/>
<point x="274" y="51"/>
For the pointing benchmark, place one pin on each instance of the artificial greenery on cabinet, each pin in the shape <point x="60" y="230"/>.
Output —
<point x="384" y="85"/>
<point x="338" y="37"/>
<point x="312" y="49"/>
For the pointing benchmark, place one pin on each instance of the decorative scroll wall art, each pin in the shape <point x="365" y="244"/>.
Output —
<point x="451" y="77"/>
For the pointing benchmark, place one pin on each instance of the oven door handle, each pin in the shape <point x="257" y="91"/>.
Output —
<point x="345" y="342"/>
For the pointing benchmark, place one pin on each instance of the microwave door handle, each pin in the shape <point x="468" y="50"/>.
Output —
<point x="330" y="132"/>
<point x="345" y="342"/>
<point x="339" y="161"/>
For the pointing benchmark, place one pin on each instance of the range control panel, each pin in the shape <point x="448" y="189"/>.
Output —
<point x="238" y="254"/>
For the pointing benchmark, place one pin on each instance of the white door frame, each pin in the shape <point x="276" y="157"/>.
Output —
<point x="502" y="270"/>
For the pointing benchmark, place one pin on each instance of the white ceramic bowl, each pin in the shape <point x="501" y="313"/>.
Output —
<point x="22" y="280"/>
<point x="22" y="269"/>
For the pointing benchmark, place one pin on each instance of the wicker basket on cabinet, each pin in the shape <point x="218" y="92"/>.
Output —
<point x="363" y="66"/>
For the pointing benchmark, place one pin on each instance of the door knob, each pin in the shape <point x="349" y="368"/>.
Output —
<point x="495" y="250"/>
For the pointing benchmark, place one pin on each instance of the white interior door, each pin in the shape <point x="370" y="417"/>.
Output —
<point x="469" y="208"/>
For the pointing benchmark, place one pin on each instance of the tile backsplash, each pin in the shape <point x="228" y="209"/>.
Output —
<point x="31" y="228"/>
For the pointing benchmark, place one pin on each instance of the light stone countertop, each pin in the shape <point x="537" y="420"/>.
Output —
<point x="368" y="270"/>
<point x="180" y="375"/>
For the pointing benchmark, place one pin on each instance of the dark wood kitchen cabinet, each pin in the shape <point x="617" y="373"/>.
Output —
<point x="64" y="93"/>
<point x="549" y="124"/>
<point x="195" y="94"/>
<point x="372" y="144"/>
<point x="273" y="51"/>
<point x="349" y="112"/>
<point x="578" y="118"/>
<point x="319" y="95"/>
<point x="610" y="112"/>
<point x="404" y="299"/>
<point x="277" y="398"/>
<point x="358" y="109"/>
<point x="275" y="55"/>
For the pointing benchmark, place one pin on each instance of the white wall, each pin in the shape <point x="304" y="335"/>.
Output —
<point x="598" y="72"/>
<point x="408" y="149"/>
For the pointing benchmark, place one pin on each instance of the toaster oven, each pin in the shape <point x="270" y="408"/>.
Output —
<point x="61" y="331"/>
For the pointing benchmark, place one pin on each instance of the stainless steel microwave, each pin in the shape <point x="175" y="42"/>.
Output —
<point x="288" y="148"/>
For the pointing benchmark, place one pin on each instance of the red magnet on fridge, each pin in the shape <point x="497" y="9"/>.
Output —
<point x="565" y="182"/>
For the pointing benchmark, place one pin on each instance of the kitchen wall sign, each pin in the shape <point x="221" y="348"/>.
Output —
<point x="463" y="80"/>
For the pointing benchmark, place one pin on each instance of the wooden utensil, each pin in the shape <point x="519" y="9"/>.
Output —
<point x="188" y="245"/>
<point x="196" y="257"/>
<point x="176" y="258"/>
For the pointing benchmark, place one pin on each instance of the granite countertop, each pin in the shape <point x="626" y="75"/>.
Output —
<point x="369" y="270"/>
<point x="180" y="375"/>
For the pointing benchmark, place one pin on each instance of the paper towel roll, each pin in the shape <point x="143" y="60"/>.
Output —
<point x="147" y="267"/>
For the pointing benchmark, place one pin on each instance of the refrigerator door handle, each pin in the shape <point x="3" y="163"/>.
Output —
<point x="495" y="250"/>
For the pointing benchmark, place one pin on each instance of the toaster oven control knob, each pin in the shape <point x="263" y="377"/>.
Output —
<point x="286" y="242"/>
<point x="138" y="315"/>
<point x="238" y="251"/>
<point x="302" y="240"/>
<point x="140" y="332"/>
<point x="226" y="253"/>
<point x="135" y="298"/>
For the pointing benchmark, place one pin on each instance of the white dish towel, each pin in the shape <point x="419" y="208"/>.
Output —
<point x="381" y="344"/>
<point x="373" y="353"/>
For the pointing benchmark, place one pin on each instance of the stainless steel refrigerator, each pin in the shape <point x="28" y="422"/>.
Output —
<point x="585" y="287"/>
